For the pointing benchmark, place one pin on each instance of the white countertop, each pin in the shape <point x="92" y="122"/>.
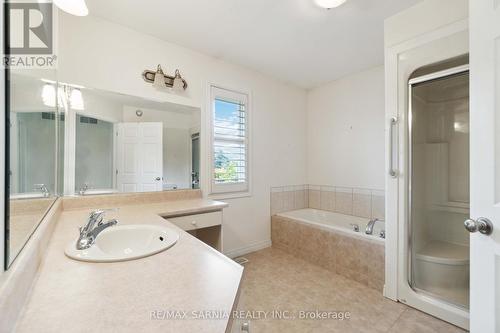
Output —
<point x="77" y="296"/>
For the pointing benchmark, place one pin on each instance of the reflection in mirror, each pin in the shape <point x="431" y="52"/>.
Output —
<point x="32" y="129"/>
<point x="120" y="143"/>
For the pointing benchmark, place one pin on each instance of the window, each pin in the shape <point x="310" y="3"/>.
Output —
<point x="229" y="154"/>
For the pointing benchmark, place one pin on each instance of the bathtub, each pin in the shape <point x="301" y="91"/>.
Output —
<point x="336" y="222"/>
<point x="328" y="239"/>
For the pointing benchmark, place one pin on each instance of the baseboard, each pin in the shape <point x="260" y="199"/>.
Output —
<point x="248" y="249"/>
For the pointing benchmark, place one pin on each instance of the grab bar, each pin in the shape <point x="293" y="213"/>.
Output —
<point x="393" y="121"/>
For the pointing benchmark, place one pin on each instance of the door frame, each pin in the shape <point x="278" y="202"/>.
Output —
<point x="398" y="69"/>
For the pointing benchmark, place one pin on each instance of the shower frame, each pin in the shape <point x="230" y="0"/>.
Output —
<point x="412" y="296"/>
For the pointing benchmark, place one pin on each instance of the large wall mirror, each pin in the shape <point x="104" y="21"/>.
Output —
<point x="32" y="130"/>
<point x="119" y="143"/>
<point x="70" y="140"/>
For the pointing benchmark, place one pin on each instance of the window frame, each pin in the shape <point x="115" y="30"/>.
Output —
<point x="230" y="190"/>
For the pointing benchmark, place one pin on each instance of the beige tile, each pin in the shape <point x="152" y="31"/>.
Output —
<point x="276" y="202"/>
<point x="288" y="200"/>
<point x="343" y="202"/>
<point x="414" y="321"/>
<point x="378" y="206"/>
<point x="328" y="199"/>
<point x="300" y="199"/>
<point x="362" y="203"/>
<point x="275" y="280"/>
<point x="314" y="199"/>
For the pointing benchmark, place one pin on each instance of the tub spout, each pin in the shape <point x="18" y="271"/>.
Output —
<point x="369" y="226"/>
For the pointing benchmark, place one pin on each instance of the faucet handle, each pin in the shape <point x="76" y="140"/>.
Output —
<point x="98" y="214"/>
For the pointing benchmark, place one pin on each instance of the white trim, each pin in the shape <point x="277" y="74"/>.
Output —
<point x="256" y="246"/>
<point x="438" y="75"/>
<point x="206" y="148"/>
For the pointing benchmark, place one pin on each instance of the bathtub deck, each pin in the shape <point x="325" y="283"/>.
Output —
<point x="275" y="280"/>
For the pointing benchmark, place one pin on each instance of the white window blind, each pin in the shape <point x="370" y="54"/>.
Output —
<point x="229" y="141"/>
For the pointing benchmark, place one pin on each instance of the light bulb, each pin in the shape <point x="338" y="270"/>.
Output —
<point x="74" y="7"/>
<point x="49" y="95"/>
<point x="178" y="85"/>
<point x="159" y="81"/>
<point x="328" y="4"/>
<point x="76" y="100"/>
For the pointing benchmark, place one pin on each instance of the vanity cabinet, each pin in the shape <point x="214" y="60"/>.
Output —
<point x="207" y="227"/>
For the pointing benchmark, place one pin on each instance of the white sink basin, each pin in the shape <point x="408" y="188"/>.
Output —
<point x="125" y="242"/>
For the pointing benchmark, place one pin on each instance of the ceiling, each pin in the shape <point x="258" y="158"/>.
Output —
<point x="292" y="40"/>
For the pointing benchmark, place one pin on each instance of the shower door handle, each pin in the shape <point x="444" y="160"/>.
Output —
<point x="393" y="121"/>
<point x="481" y="224"/>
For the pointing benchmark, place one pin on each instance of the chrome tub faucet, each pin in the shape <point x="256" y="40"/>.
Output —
<point x="369" y="226"/>
<point x="43" y="188"/>
<point x="93" y="228"/>
<point x="83" y="189"/>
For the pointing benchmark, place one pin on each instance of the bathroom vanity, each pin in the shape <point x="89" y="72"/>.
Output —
<point x="187" y="279"/>
<point x="207" y="227"/>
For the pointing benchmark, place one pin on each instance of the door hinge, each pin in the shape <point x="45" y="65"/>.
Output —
<point x="116" y="172"/>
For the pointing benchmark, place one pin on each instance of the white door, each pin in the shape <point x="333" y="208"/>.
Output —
<point x="139" y="157"/>
<point x="485" y="164"/>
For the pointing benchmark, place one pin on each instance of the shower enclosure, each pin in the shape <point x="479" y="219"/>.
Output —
<point x="438" y="184"/>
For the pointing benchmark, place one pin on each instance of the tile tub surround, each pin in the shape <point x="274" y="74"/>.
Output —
<point x="367" y="203"/>
<point x="357" y="259"/>
<point x="190" y="276"/>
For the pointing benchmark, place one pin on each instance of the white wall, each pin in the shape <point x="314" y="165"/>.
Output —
<point x="345" y="124"/>
<point x="99" y="54"/>
<point x="424" y="17"/>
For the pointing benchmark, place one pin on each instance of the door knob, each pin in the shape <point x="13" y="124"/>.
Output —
<point x="158" y="178"/>
<point x="481" y="224"/>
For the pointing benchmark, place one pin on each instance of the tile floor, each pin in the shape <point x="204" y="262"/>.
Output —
<point x="275" y="280"/>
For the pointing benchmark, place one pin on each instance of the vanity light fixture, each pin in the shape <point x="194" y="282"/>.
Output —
<point x="76" y="99"/>
<point x="49" y="95"/>
<point x="64" y="94"/>
<point x="329" y="4"/>
<point x="178" y="84"/>
<point x="160" y="79"/>
<point x="74" y="7"/>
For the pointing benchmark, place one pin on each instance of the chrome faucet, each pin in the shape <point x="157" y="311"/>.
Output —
<point x="369" y="226"/>
<point x="93" y="228"/>
<point x="42" y="188"/>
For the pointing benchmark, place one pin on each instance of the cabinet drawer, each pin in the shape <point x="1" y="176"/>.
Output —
<point x="197" y="221"/>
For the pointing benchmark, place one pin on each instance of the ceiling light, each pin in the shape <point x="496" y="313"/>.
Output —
<point x="74" y="7"/>
<point x="328" y="4"/>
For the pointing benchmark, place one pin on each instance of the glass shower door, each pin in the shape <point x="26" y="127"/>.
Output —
<point x="439" y="187"/>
